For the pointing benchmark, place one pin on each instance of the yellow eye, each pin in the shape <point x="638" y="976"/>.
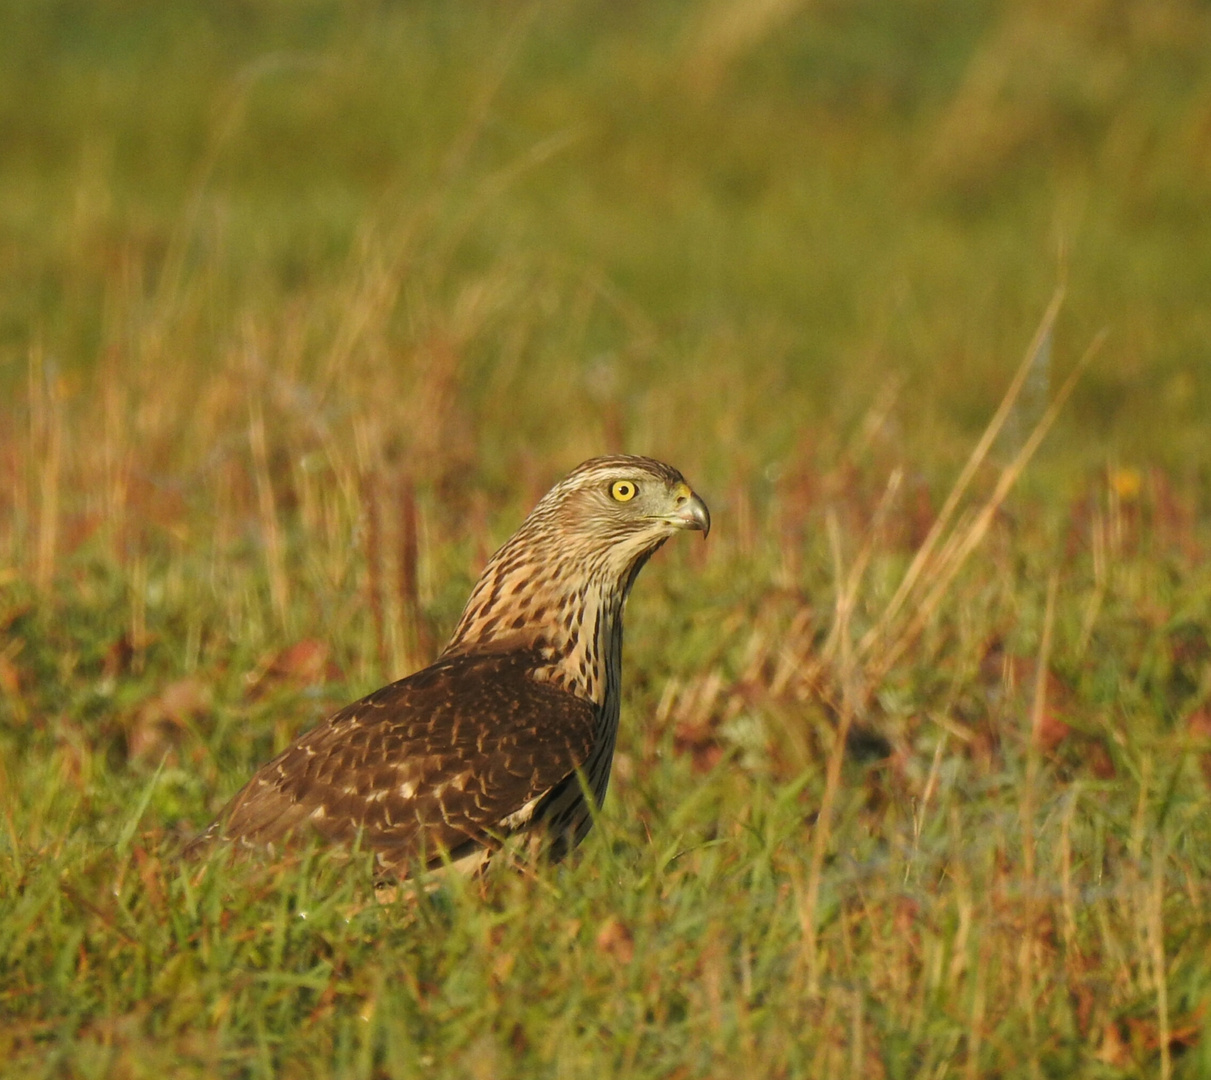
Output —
<point x="623" y="490"/>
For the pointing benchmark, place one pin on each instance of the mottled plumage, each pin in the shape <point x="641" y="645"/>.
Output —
<point x="507" y="728"/>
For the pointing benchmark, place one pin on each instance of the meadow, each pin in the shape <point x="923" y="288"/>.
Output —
<point x="302" y="306"/>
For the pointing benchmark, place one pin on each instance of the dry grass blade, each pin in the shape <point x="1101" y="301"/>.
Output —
<point x="1037" y="713"/>
<point x="820" y="837"/>
<point x="820" y="834"/>
<point x="279" y="586"/>
<point x="848" y="587"/>
<point x="942" y="574"/>
<point x="728" y="31"/>
<point x="957" y="548"/>
<point x="417" y="642"/>
<point x="46" y="438"/>
<point x="922" y="560"/>
<point x="375" y="586"/>
<point x="1033" y="906"/>
<point x="807" y="671"/>
<point x="1156" y="927"/>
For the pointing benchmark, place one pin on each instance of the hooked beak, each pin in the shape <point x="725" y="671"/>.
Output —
<point x="691" y="513"/>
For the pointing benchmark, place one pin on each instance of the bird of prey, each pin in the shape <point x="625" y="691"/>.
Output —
<point x="512" y="728"/>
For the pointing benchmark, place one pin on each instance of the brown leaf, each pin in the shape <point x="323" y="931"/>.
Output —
<point x="183" y="700"/>
<point x="1101" y="764"/>
<point x="150" y="874"/>
<point x="157" y="725"/>
<point x="10" y="684"/>
<point x="1114" y="1049"/>
<point x="1189" y="1030"/>
<point x="906" y="917"/>
<point x="1051" y="730"/>
<point x="518" y="1040"/>
<point x="10" y="677"/>
<point x="1198" y="723"/>
<point x="502" y="966"/>
<point x="1146" y="1032"/>
<point x="698" y="740"/>
<point x="616" y="941"/>
<point x="1084" y="1007"/>
<point x="1198" y="726"/>
<point x="305" y="663"/>
<point x="118" y="657"/>
<point x="10" y="615"/>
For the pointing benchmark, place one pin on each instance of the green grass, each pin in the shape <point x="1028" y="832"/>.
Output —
<point x="277" y="280"/>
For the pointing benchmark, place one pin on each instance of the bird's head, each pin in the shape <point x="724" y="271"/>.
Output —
<point x="613" y="511"/>
<point x="593" y="531"/>
<point x="616" y="498"/>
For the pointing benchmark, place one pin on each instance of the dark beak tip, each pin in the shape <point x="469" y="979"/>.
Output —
<point x="691" y="513"/>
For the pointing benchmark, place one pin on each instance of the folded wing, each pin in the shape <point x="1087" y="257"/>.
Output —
<point x="431" y="765"/>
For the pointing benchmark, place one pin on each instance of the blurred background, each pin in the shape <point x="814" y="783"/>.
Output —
<point x="324" y="284"/>
<point x="702" y="229"/>
<point x="304" y="303"/>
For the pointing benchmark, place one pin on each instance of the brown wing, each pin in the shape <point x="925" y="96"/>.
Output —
<point x="432" y="763"/>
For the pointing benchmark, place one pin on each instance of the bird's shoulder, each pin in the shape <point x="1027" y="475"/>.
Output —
<point x="451" y="700"/>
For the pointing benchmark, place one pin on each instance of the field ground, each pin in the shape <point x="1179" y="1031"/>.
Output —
<point x="301" y="308"/>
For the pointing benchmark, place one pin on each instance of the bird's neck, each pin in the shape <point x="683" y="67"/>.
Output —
<point x="586" y="657"/>
<point x="571" y="615"/>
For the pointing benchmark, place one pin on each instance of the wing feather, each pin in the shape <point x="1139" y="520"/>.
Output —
<point x="433" y="763"/>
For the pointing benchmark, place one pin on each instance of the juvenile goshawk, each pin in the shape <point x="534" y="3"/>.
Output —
<point x="516" y="718"/>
